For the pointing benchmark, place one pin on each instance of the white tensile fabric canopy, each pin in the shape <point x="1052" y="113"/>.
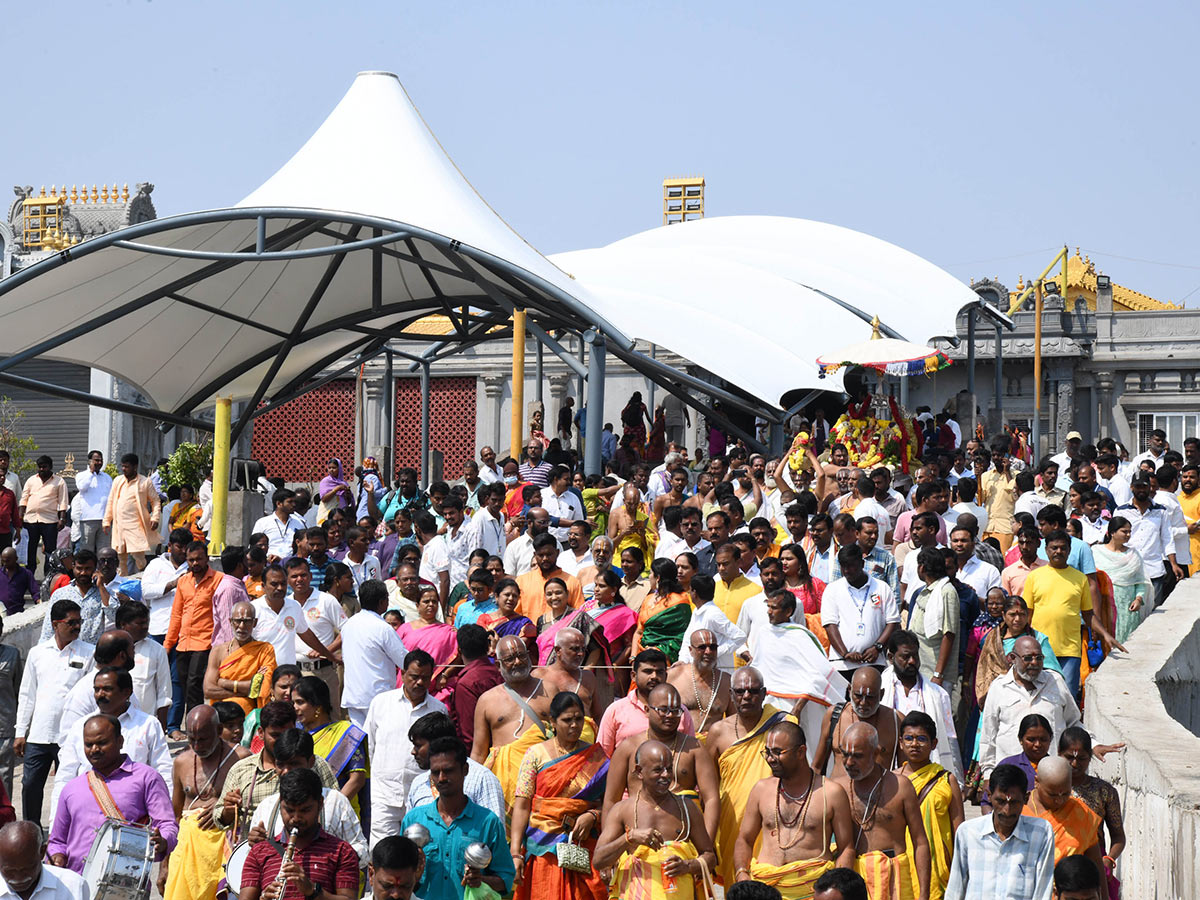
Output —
<point x="255" y="300"/>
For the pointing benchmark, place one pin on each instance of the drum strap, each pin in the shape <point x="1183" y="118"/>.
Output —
<point x="104" y="798"/>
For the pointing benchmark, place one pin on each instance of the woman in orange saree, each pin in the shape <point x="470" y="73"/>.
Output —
<point x="560" y="788"/>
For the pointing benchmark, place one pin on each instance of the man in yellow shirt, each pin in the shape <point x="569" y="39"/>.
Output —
<point x="1189" y="501"/>
<point x="996" y="489"/>
<point x="733" y="588"/>
<point x="1059" y="595"/>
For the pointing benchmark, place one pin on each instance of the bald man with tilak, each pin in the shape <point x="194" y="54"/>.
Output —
<point x="198" y="780"/>
<point x="865" y="706"/>
<point x="566" y="673"/>
<point x="883" y="811"/>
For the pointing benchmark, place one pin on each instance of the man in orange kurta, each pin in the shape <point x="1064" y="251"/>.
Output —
<point x="133" y="513"/>
<point x="533" y="583"/>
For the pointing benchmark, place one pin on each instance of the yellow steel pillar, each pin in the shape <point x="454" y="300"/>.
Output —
<point x="1036" y="430"/>
<point x="518" y="384"/>
<point x="220" y="500"/>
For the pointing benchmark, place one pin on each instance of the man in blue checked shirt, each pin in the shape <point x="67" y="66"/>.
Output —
<point x="1004" y="856"/>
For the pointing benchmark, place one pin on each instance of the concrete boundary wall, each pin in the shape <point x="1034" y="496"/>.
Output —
<point x="1149" y="699"/>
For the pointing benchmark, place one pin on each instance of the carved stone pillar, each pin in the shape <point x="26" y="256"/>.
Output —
<point x="1066" y="409"/>
<point x="493" y="388"/>
<point x="559" y="384"/>
<point x="372" y="415"/>
<point x="1104" y="384"/>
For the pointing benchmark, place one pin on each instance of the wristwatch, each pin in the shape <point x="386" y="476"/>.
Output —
<point x="937" y="674"/>
<point x="878" y="648"/>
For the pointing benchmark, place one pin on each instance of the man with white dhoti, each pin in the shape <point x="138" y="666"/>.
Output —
<point x="794" y="667"/>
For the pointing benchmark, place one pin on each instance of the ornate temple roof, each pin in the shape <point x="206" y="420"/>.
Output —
<point x="1081" y="281"/>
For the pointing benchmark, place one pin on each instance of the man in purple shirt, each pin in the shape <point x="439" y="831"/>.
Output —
<point x="136" y="791"/>
<point x="15" y="582"/>
<point x="231" y="590"/>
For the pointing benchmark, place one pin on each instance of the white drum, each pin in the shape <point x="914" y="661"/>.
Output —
<point x="119" y="863"/>
<point x="233" y="868"/>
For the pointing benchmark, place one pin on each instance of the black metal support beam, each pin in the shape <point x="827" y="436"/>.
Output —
<point x="145" y="412"/>
<point x="281" y="239"/>
<point x="314" y="299"/>
<point x="301" y="385"/>
<point x="220" y="313"/>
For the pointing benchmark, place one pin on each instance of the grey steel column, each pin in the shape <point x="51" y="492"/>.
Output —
<point x="594" y="424"/>
<point x="537" y="378"/>
<point x="389" y="418"/>
<point x="999" y="376"/>
<point x="425" y="461"/>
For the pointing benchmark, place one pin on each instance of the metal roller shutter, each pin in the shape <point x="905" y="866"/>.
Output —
<point x="59" y="426"/>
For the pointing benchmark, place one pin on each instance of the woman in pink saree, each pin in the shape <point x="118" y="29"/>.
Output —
<point x="438" y="639"/>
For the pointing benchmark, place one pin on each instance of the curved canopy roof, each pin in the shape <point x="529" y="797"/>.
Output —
<point x="370" y="228"/>
<point x="366" y="230"/>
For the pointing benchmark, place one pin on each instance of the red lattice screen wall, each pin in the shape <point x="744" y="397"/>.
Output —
<point x="296" y="440"/>
<point x="451" y="422"/>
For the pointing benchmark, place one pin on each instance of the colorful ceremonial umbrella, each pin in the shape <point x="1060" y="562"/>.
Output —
<point x="887" y="356"/>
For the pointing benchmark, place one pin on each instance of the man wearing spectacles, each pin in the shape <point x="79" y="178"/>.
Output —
<point x="51" y="669"/>
<point x="694" y="774"/>
<point x="704" y="687"/>
<point x="1026" y="688"/>
<point x="736" y="744"/>
<point x="234" y="668"/>
<point x="795" y="811"/>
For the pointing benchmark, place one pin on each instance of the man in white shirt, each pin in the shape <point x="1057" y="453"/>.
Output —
<point x="363" y="566"/>
<point x="325" y="618"/>
<point x="1168" y="483"/>
<point x="1026" y="688"/>
<point x="23" y="875"/>
<point x="1108" y="475"/>
<point x="578" y="554"/>
<point x="859" y="614"/>
<point x="906" y="690"/>
<point x="51" y="670"/>
<point x="967" y="492"/>
<point x="373" y="653"/>
<point x="94" y="485"/>
<point x="393" y="767"/>
<point x="144" y="740"/>
<point x="861" y="503"/>
<point x="151" y="665"/>
<point x="435" y="560"/>
<point x="559" y="500"/>
<point x="1151" y="535"/>
<point x="709" y="618"/>
<point x="280" y="526"/>
<point x="972" y="570"/>
<point x="162" y="577"/>
<point x="489" y="472"/>
<point x="460" y="539"/>
<point x="1155" y="448"/>
<point x="489" y="520"/>
<point x="281" y="620"/>
<point x="1070" y="451"/>
<point x="518" y="557"/>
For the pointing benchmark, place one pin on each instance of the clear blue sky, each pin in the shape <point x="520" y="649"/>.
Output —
<point x="977" y="135"/>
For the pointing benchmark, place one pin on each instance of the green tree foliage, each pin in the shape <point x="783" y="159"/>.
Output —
<point x="22" y="449"/>
<point x="189" y="464"/>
